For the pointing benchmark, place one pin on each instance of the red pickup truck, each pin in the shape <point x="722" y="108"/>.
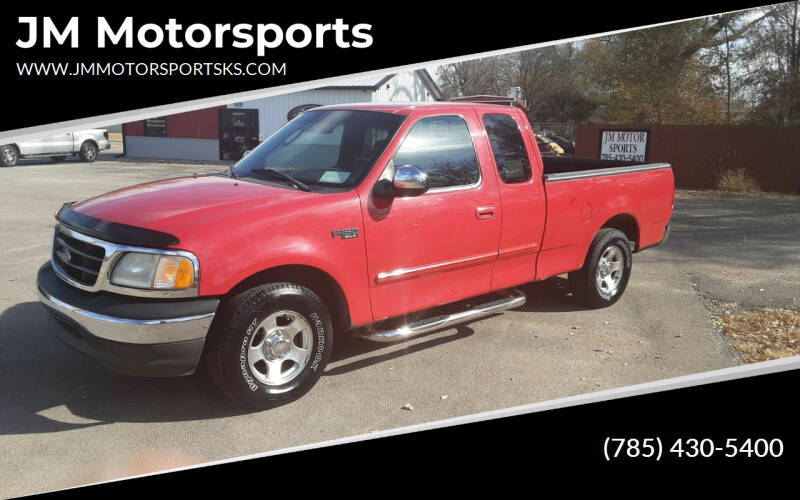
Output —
<point x="349" y="218"/>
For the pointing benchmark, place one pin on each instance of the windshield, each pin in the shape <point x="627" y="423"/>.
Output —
<point x="322" y="148"/>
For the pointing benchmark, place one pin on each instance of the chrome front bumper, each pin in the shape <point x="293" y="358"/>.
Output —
<point x="132" y="331"/>
<point x="145" y="337"/>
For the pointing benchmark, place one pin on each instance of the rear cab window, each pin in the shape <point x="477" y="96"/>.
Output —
<point x="508" y="148"/>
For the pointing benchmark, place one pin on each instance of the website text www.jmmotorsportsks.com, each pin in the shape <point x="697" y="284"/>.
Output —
<point x="150" y="69"/>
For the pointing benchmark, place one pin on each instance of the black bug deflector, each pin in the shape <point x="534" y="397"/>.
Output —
<point x="114" y="232"/>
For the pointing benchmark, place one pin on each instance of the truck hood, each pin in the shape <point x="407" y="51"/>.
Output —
<point x="181" y="205"/>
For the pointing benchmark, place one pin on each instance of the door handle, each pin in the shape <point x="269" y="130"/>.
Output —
<point x="484" y="212"/>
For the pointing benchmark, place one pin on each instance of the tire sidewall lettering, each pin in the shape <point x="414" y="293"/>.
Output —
<point x="319" y="330"/>
<point x="248" y="379"/>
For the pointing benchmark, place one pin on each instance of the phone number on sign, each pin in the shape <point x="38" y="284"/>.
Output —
<point x="622" y="448"/>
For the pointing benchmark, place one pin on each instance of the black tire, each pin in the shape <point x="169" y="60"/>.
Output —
<point x="88" y="152"/>
<point x="590" y="285"/>
<point x="8" y="156"/>
<point x="239" y="326"/>
<point x="58" y="158"/>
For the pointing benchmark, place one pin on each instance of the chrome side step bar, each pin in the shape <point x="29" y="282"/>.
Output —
<point x="512" y="299"/>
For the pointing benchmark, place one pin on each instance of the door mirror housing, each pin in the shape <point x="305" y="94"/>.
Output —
<point x="408" y="180"/>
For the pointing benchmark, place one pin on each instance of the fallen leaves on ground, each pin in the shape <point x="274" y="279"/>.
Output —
<point x="712" y="194"/>
<point x="763" y="334"/>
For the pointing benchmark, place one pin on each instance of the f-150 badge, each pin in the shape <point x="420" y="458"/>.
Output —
<point x="345" y="234"/>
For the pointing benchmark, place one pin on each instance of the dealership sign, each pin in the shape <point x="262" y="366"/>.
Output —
<point x="156" y="127"/>
<point x="627" y="145"/>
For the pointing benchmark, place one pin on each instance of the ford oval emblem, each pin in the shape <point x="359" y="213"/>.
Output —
<point x="64" y="255"/>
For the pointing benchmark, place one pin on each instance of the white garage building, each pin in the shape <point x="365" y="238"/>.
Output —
<point x="224" y="133"/>
<point x="410" y="86"/>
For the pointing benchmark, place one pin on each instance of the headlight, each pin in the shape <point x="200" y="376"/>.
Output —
<point x="146" y="270"/>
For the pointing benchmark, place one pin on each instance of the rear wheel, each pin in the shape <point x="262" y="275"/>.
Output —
<point x="269" y="345"/>
<point x="9" y="156"/>
<point x="606" y="271"/>
<point x="88" y="152"/>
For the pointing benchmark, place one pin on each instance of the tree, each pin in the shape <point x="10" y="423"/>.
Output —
<point x="719" y="69"/>
<point x="475" y="77"/>
<point x="554" y="85"/>
<point x="549" y="78"/>
<point x="656" y="75"/>
<point x="771" y="66"/>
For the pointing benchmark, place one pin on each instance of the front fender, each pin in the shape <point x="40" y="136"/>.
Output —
<point x="232" y="252"/>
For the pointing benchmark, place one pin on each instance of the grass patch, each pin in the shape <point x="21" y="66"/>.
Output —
<point x="738" y="181"/>
<point x="763" y="334"/>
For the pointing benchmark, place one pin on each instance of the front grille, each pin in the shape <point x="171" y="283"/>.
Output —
<point x="77" y="259"/>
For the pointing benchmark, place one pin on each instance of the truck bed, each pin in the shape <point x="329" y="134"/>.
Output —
<point x="560" y="165"/>
<point x="583" y="194"/>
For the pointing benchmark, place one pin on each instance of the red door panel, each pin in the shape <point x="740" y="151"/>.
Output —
<point x="522" y="197"/>
<point x="435" y="248"/>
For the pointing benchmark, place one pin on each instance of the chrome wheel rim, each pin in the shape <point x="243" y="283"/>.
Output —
<point x="280" y="348"/>
<point x="89" y="153"/>
<point x="9" y="155"/>
<point x="609" y="270"/>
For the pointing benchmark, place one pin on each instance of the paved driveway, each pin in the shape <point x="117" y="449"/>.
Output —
<point x="741" y="250"/>
<point x="64" y="415"/>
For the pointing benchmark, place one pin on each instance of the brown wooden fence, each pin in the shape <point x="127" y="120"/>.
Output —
<point x="699" y="153"/>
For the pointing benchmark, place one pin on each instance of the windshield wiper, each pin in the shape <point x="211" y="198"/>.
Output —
<point x="277" y="173"/>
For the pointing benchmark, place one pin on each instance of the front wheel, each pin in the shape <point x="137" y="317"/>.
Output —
<point x="269" y="345"/>
<point x="606" y="271"/>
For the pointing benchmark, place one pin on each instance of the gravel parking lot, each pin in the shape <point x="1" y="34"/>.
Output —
<point x="63" y="414"/>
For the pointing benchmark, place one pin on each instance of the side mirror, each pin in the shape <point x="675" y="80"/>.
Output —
<point x="246" y="152"/>
<point x="408" y="180"/>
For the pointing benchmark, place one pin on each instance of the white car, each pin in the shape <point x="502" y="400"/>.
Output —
<point x="84" y="143"/>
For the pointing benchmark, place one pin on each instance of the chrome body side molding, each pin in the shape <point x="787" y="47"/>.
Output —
<point x="416" y="272"/>
<point x="600" y="172"/>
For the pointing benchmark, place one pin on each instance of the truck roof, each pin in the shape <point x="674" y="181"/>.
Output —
<point x="405" y="108"/>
